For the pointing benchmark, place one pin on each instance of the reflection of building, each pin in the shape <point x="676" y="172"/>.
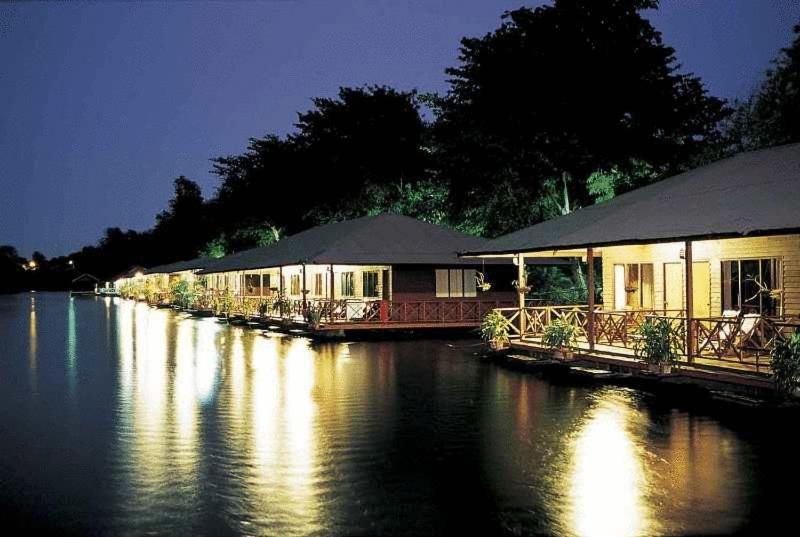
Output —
<point x="714" y="251"/>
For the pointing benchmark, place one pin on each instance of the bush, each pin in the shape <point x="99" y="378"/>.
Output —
<point x="494" y="327"/>
<point x="658" y="343"/>
<point x="559" y="335"/>
<point x="786" y="364"/>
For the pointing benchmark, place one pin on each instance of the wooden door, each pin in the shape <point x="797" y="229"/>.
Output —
<point x="673" y="287"/>
<point x="701" y="284"/>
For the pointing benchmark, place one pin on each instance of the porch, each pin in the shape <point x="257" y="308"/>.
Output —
<point x="354" y="313"/>
<point x="738" y="344"/>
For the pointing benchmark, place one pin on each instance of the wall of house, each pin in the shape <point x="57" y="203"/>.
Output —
<point x="418" y="282"/>
<point x="786" y="248"/>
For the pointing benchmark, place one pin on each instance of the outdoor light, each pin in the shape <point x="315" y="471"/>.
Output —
<point x="32" y="264"/>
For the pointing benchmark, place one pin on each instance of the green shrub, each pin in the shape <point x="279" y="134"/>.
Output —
<point x="786" y="364"/>
<point x="658" y="343"/>
<point x="494" y="327"/>
<point x="559" y="335"/>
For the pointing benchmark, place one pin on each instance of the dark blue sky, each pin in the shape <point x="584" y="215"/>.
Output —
<point x="104" y="104"/>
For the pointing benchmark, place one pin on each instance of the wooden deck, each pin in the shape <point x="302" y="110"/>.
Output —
<point x="746" y="373"/>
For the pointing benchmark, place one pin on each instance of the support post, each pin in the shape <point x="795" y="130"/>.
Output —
<point x="689" y="301"/>
<point x="280" y="280"/>
<point x="522" y="282"/>
<point x="590" y="296"/>
<point x="304" y="290"/>
<point x="332" y="292"/>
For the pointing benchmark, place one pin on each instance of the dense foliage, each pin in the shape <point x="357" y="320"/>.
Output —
<point x="561" y="106"/>
<point x="786" y="364"/>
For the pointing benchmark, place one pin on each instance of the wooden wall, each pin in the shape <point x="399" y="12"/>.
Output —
<point x="784" y="247"/>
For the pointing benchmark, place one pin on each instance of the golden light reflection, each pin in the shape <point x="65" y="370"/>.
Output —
<point x="607" y="481"/>
<point x="206" y="360"/>
<point x="33" y="348"/>
<point x="183" y="390"/>
<point x="283" y="414"/>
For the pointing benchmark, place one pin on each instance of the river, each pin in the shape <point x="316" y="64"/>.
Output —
<point x="120" y="419"/>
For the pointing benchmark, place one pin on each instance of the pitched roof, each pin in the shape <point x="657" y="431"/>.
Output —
<point x="388" y="239"/>
<point x="180" y="266"/>
<point x="753" y="193"/>
<point x="130" y="273"/>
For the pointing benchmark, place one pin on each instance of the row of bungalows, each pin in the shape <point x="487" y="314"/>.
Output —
<point x="715" y="250"/>
<point x="385" y="271"/>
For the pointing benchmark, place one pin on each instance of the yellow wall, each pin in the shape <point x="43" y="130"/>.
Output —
<point x="784" y="247"/>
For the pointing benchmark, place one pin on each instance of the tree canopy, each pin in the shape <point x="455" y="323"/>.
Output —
<point x="559" y="107"/>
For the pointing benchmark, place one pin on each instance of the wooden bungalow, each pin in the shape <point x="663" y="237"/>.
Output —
<point x="127" y="283"/>
<point x="160" y="279"/>
<point x="716" y="250"/>
<point x="385" y="271"/>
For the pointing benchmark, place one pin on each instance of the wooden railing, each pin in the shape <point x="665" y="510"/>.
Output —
<point x="747" y="338"/>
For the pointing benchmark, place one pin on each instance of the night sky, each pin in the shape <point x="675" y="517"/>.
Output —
<point x="103" y="105"/>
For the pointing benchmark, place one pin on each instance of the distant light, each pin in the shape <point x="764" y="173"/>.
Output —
<point x="71" y="262"/>
<point x="32" y="264"/>
<point x="139" y="274"/>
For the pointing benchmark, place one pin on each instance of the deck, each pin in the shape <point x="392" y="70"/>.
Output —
<point x="739" y="345"/>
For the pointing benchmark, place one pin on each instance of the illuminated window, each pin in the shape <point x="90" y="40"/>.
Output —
<point x="751" y="286"/>
<point x="633" y="286"/>
<point x="252" y="283"/>
<point x="455" y="283"/>
<point x="370" y="284"/>
<point x="295" y="285"/>
<point x="319" y="288"/>
<point x="347" y="280"/>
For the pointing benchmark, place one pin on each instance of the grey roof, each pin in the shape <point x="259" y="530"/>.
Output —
<point x="180" y="266"/>
<point x="755" y="193"/>
<point x="386" y="239"/>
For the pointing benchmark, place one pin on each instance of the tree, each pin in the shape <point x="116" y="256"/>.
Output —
<point x="183" y="228"/>
<point x="771" y="116"/>
<point x="576" y="87"/>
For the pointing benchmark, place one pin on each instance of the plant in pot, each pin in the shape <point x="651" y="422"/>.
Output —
<point x="494" y="331"/>
<point x="559" y="336"/>
<point x="521" y="287"/>
<point x="658" y="345"/>
<point x="314" y="317"/>
<point x="481" y="283"/>
<point x="281" y="306"/>
<point x="786" y="364"/>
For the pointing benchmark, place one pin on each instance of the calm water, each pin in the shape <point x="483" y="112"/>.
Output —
<point x="120" y="419"/>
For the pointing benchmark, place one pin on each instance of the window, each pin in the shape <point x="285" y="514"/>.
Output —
<point x="252" y="283"/>
<point x="295" y="285"/>
<point x="455" y="283"/>
<point x="347" y="284"/>
<point x="369" y="284"/>
<point x="319" y="288"/>
<point x="633" y="286"/>
<point x="751" y="286"/>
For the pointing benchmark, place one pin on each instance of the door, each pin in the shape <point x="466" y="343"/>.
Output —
<point x="701" y="284"/>
<point x="673" y="287"/>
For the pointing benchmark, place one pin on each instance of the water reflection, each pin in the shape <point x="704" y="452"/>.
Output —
<point x="607" y="480"/>
<point x="33" y="348"/>
<point x="72" y="346"/>
<point x="208" y="429"/>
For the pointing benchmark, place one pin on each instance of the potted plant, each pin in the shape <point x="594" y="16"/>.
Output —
<point x="559" y="336"/>
<point x="786" y="364"/>
<point x="494" y="331"/>
<point x="658" y="345"/>
<point x="481" y="283"/>
<point x="314" y="317"/>
<point x="521" y="287"/>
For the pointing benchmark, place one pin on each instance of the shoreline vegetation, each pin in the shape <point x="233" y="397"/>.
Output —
<point x="499" y="150"/>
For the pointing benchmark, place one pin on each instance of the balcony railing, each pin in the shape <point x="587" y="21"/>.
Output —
<point x="744" y="339"/>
